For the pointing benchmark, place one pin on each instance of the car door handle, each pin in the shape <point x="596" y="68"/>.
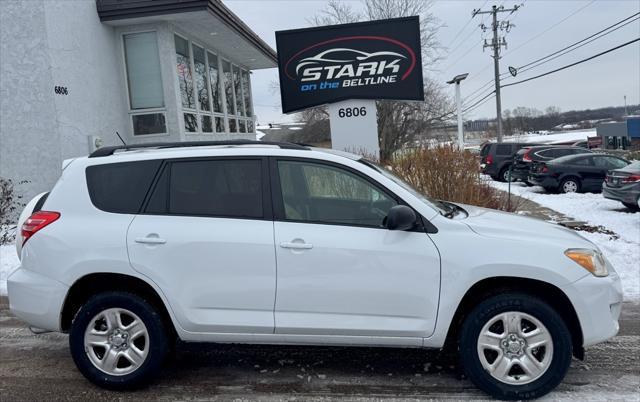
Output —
<point x="150" y="240"/>
<point x="298" y="246"/>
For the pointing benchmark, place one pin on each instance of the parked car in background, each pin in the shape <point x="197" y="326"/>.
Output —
<point x="624" y="185"/>
<point x="131" y="250"/>
<point x="497" y="158"/>
<point x="582" y="144"/>
<point x="527" y="156"/>
<point x="575" y="173"/>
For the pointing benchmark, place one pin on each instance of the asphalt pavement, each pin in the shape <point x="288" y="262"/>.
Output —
<point x="39" y="368"/>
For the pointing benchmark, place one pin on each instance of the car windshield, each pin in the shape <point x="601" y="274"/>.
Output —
<point x="433" y="203"/>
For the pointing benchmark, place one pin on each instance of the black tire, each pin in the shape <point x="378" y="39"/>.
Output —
<point x="567" y="181"/>
<point x="489" y="308"/>
<point x="528" y="183"/>
<point x="632" y="207"/>
<point x="502" y="176"/>
<point x="157" y="347"/>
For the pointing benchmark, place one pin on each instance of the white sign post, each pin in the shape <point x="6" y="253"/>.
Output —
<point x="354" y="127"/>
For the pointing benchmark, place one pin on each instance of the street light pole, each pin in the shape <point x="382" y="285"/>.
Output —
<point x="456" y="80"/>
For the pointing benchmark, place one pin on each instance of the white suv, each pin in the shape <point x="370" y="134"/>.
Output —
<point x="279" y="243"/>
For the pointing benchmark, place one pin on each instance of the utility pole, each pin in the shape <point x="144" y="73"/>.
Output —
<point x="496" y="43"/>
<point x="625" y="106"/>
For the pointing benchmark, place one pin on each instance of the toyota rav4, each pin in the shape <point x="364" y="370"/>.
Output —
<point x="275" y="243"/>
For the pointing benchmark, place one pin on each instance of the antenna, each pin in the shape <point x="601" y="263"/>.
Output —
<point x="123" y="143"/>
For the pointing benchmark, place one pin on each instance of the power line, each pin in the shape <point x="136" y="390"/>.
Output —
<point x="577" y="45"/>
<point x="465" y="26"/>
<point x="551" y="27"/>
<point x="573" y="64"/>
<point x="479" y="102"/>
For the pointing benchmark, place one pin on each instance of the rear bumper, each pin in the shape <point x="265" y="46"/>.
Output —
<point x="628" y="194"/>
<point x="36" y="299"/>
<point x="520" y="173"/>
<point x="597" y="302"/>
<point x="544" y="181"/>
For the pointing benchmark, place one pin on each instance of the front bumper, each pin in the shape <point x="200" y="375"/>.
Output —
<point x="597" y="302"/>
<point x="628" y="194"/>
<point x="36" y="299"/>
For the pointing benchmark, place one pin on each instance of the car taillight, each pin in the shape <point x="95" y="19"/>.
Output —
<point x="634" y="178"/>
<point x="544" y="169"/>
<point x="37" y="221"/>
<point x="526" y="156"/>
<point x="489" y="159"/>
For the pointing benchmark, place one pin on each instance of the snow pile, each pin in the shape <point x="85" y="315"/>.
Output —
<point x="553" y="138"/>
<point x="8" y="263"/>
<point x="623" y="252"/>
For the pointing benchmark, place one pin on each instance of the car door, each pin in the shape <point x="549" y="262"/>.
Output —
<point x="340" y="272"/>
<point x="206" y="239"/>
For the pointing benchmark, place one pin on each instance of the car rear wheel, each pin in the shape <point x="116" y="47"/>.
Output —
<point x="570" y="185"/>
<point x="515" y="346"/>
<point x="505" y="175"/>
<point x="118" y="340"/>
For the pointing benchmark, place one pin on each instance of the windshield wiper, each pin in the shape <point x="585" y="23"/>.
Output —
<point x="450" y="209"/>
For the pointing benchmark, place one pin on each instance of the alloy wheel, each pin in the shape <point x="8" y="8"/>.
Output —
<point x="116" y="341"/>
<point x="569" y="186"/>
<point x="515" y="348"/>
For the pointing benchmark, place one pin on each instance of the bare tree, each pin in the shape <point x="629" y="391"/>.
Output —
<point x="399" y="123"/>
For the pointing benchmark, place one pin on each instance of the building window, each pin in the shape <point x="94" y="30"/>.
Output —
<point x="151" y="123"/>
<point x="185" y="78"/>
<point x="205" y="81"/>
<point x="214" y="82"/>
<point x="144" y="83"/>
<point x="228" y="87"/>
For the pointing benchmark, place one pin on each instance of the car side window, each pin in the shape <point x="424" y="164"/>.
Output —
<point x="608" y="162"/>
<point x="613" y="163"/>
<point x="319" y="193"/>
<point x="504" y="149"/>
<point x="221" y="188"/>
<point x="548" y="153"/>
<point x="588" y="161"/>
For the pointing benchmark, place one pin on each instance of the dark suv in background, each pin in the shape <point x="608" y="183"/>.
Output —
<point x="497" y="158"/>
<point x="528" y="156"/>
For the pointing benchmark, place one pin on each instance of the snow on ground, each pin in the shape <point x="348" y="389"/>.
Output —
<point x="553" y="138"/>
<point x="623" y="252"/>
<point x="8" y="262"/>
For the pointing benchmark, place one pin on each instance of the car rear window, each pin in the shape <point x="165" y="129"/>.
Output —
<point x="485" y="150"/>
<point x="222" y="188"/>
<point x="121" y="187"/>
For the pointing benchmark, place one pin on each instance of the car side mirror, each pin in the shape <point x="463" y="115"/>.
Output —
<point x="401" y="217"/>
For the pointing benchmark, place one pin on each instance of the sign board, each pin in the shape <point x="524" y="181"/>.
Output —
<point x="594" y="142"/>
<point x="367" y="60"/>
<point x="354" y="127"/>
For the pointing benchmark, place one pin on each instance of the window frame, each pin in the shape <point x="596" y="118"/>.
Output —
<point x="130" y="110"/>
<point x="267" y="209"/>
<point x="224" y="114"/>
<point x="278" y="203"/>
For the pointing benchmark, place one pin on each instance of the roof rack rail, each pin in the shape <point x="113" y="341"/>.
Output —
<point x="107" y="151"/>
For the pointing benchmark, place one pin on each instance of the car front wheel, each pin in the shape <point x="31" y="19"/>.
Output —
<point x="118" y="340"/>
<point x="515" y="346"/>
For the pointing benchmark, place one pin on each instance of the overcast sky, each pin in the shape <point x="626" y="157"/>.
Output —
<point x="541" y="28"/>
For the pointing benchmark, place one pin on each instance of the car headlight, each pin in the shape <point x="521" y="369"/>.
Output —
<point x="591" y="260"/>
